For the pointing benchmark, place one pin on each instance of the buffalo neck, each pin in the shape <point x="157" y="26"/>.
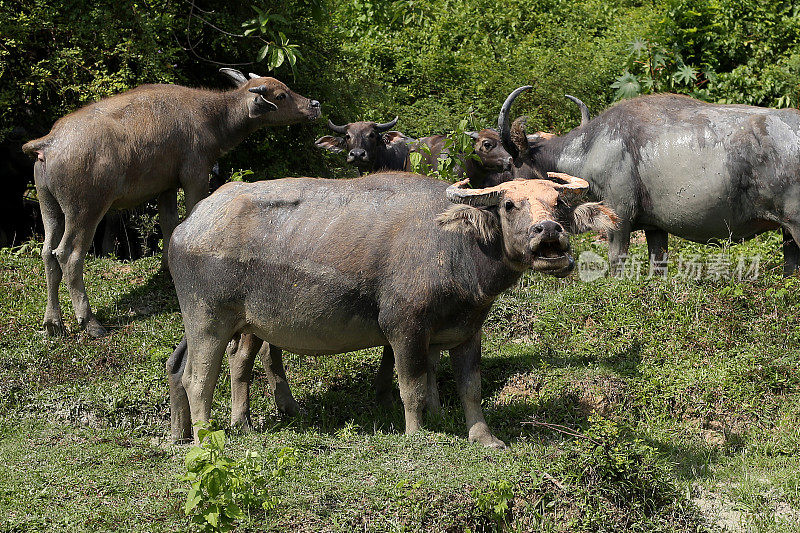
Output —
<point x="493" y="275"/>
<point x="229" y="120"/>
<point x="550" y="154"/>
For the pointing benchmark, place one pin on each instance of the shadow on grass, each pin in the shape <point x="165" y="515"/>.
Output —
<point x="153" y="297"/>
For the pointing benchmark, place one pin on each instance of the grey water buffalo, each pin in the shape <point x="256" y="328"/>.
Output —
<point x="368" y="146"/>
<point x="671" y="164"/>
<point x="321" y="267"/>
<point x="128" y="148"/>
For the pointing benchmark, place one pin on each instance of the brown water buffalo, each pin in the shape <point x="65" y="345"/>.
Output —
<point x="671" y="164"/>
<point x="490" y="166"/>
<point x="128" y="148"/>
<point x="368" y="146"/>
<point x="321" y="267"/>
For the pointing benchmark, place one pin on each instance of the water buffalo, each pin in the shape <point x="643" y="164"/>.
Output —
<point x="491" y="166"/>
<point x="671" y="164"/>
<point x="370" y="146"/>
<point x="321" y="267"/>
<point x="128" y="148"/>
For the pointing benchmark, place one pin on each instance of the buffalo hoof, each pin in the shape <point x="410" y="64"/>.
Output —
<point x="289" y="408"/>
<point x="95" y="330"/>
<point x="242" y="425"/>
<point x="54" y="328"/>
<point x="483" y="436"/>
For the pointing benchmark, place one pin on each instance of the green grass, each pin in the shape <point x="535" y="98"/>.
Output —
<point x="689" y="391"/>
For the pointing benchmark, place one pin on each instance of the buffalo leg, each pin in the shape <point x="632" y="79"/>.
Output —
<point x="79" y="231"/>
<point x="53" y="219"/>
<point x="411" y="361"/>
<point x="383" y="379"/>
<point x="619" y="241"/>
<point x="167" y="219"/>
<point x="240" y="360"/>
<point x="466" y="359"/>
<point x="433" y="406"/>
<point x="272" y="359"/>
<point x="206" y="342"/>
<point x="657" y="246"/>
<point x="791" y="253"/>
<point x="195" y="185"/>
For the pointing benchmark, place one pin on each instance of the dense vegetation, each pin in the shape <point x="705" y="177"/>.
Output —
<point x="432" y="63"/>
<point x="629" y="404"/>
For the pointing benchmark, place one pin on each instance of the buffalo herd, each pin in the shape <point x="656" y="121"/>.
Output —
<point x="392" y="259"/>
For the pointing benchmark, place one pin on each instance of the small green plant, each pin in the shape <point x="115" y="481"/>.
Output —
<point x="222" y="487"/>
<point x="458" y="146"/>
<point x="493" y="502"/>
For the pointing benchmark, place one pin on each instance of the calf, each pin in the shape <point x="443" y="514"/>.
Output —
<point x="128" y="148"/>
<point x="368" y="147"/>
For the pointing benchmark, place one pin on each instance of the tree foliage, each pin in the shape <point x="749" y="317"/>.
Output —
<point x="428" y="62"/>
<point x="726" y="51"/>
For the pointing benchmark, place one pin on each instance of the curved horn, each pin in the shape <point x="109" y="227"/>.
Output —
<point x="473" y="134"/>
<point x="386" y="125"/>
<point x="261" y="89"/>
<point x="234" y="75"/>
<point x="457" y="194"/>
<point x="571" y="183"/>
<point x="585" y="117"/>
<point x="503" y="121"/>
<point x="336" y="129"/>
<point x="253" y="76"/>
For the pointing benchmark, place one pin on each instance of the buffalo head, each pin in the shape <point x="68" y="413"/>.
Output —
<point x="490" y="150"/>
<point x="532" y="218"/>
<point x="361" y="140"/>
<point x="270" y="101"/>
<point x="525" y="148"/>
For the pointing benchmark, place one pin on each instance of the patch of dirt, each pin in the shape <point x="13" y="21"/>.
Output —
<point x="520" y="387"/>
<point x="718" y="510"/>
<point x="601" y="394"/>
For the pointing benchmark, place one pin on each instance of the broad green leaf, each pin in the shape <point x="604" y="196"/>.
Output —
<point x="627" y="86"/>
<point x="685" y="74"/>
<point x="212" y="515"/>
<point x="192" y="499"/>
<point x="217" y="439"/>
<point x="263" y="52"/>
<point x="234" y="511"/>
<point x="194" y="458"/>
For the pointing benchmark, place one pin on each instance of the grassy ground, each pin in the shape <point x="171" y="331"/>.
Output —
<point x="628" y="405"/>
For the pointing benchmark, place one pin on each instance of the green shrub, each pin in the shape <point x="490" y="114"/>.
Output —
<point x="223" y="489"/>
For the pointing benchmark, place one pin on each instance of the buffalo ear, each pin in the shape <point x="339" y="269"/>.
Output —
<point x="395" y="136"/>
<point x="592" y="216"/>
<point x="234" y="75"/>
<point x="329" y="142"/>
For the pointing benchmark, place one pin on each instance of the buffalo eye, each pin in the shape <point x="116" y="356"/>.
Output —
<point x="509" y="205"/>
<point x="487" y="145"/>
<point x="371" y="135"/>
<point x="281" y="96"/>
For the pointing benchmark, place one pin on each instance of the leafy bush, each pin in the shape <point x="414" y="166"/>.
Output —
<point x="222" y="487"/>
<point x="726" y="51"/>
<point x="457" y="146"/>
